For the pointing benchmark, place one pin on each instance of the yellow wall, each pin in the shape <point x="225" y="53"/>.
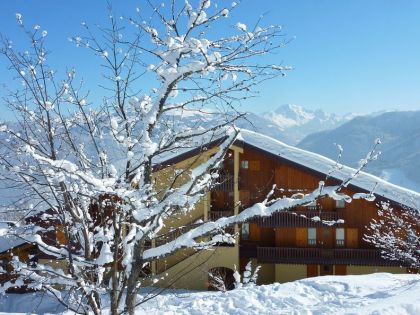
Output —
<point x="54" y="263"/>
<point x="362" y="270"/>
<point x="165" y="177"/>
<point x="167" y="262"/>
<point x="192" y="272"/>
<point x="287" y="273"/>
<point x="186" y="269"/>
<point x="267" y="274"/>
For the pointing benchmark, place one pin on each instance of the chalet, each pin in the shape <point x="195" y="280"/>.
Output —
<point x="12" y="246"/>
<point x="287" y="245"/>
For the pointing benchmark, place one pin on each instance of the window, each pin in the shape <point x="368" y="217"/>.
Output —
<point x="244" y="164"/>
<point x="312" y="236"/>
<point x="339" y="237"/>
<point x="340" y="204"/>
<point x="245" y="231"/>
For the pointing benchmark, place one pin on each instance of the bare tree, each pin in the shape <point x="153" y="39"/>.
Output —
<point x="87" y="169"/>
<point x="397" y="234"/>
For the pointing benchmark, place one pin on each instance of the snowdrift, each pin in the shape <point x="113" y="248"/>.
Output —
<point x="379" y="293"/>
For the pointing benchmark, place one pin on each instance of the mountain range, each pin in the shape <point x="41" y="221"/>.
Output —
<point x="291" y="123"/>
<point x="399" y="132"/>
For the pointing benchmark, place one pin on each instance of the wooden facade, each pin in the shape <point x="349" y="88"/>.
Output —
<point x="299" y="237"/>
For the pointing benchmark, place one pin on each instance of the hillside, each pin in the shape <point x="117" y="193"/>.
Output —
<point x="400" y="136"/>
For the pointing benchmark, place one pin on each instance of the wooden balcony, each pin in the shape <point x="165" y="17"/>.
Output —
<point x="303" y="219"/>
<point x="247" y="250"/>
<point x="215" y="215"/>
<point x="342" y="256"/>
<point x="223" y="183"/>
<point x="170" y="236"/>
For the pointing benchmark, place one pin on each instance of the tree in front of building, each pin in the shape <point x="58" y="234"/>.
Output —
<point x="397" y="234"/>
<point x="86" y="164"/>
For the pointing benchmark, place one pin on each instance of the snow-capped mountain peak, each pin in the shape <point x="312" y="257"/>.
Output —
<point x="290" y="115"/>
<point x="299" y="122"/>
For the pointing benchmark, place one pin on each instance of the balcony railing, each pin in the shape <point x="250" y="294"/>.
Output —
<point x="339" y="243"/>
<point x="215" y="215"/>
<point x="312" y="241"/>
<point x="172" y="235"/>
<point x="342" y="256"/>
<point x="299" y="219"/>
<point x="247" y="250"/>
<point x="223" y="183"/>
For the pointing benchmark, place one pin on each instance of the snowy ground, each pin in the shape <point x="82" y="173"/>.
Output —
<point x="370" y="294"/>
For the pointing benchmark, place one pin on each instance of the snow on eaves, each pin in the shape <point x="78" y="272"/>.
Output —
<point x="324" y="165"/>
<point x="8" y="241"/>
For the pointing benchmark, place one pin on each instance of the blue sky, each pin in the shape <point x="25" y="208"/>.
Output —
<point x="348" y="56"/>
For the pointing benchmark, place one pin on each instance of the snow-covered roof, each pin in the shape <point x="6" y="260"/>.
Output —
<point x="317" y="163"/>
<point x="8" y="241"/>
<point x="324" y="165"/>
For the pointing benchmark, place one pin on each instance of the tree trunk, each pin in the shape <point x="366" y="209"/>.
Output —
<point x="131" y="299"/>
<point x="114" y="303"/>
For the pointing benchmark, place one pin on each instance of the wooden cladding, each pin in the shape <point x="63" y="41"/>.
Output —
<point x="312" y="271"/>
<point x="245" y="198"/>
<point x="352" y="238"/>
<point x="301" y="237"/>
<point x="285" y="237"/>
<point x="292" y="255"/>
<point x="254" y="165"/>
<point x="325" y="237"/>
<point x="287" y="177"/>
<point x="259" y="183"/>
<point x="340" y="270"/>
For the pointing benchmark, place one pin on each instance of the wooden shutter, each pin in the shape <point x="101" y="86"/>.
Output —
<point x="352" y="239"/>
<point x="254" y="165"/>
<point x="301" y="237"/>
